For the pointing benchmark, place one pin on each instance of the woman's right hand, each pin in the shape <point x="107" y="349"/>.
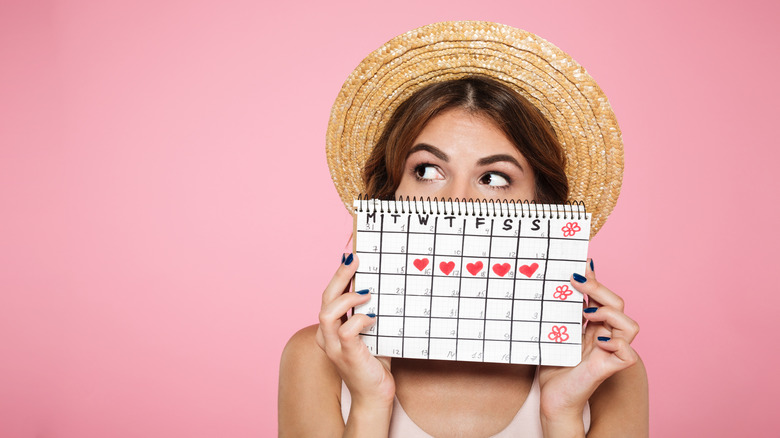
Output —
<point x="368" y="378"/>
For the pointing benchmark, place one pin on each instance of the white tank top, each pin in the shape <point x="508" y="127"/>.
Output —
<point x="525" y="424"/>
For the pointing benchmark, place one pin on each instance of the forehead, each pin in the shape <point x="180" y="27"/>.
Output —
<point x="459" y="132"/>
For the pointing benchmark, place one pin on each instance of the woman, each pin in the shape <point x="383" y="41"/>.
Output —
<point x="462" y="134"/>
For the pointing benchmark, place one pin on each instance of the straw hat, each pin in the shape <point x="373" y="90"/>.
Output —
<point x="549" y="78"/>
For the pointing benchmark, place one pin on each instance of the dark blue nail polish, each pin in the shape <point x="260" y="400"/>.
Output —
<point x="362" y="292"/>
<point x="579" y="278"/>
<point x="603" y="338"/>
<point x="371" y="315"/>
<point x="348" y="260"/>
<point x="590" y="309"/>
<point x="591" y="266"/>
<point x="343" y="257"/>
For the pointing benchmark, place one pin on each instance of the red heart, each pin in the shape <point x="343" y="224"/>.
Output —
<point x="474" y="268"/>
<point x="501" y="270"/>
<point x="528" y="271"/>
<point x="420" y="263"/>
<point x="447" y="267"/>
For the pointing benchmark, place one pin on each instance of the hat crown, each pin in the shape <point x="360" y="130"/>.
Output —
<point x="566" y="95"/>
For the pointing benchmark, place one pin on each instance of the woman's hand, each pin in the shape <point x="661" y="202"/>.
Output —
<point x="606" y="350"/>
<point x="368" y="378"/>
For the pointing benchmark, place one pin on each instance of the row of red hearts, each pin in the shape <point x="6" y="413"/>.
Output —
<point x="499" y="269"/>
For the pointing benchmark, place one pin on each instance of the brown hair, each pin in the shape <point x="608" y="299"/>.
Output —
<point x="519" y="120"/>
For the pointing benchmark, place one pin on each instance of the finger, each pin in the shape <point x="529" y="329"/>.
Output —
<point x="349" y="332"/>
<point x="597" y="293"/>
<point x="330" y="315"/>
<point x="341" y="279"/>
<point x="618" y="322"/>
<point x="594" y="330"/>
<point x="624" y="355"/>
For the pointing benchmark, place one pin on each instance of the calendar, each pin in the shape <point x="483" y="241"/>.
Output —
<point x="484" y="281"/>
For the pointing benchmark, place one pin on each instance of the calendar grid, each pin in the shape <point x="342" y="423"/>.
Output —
<point x="451" y="286"/>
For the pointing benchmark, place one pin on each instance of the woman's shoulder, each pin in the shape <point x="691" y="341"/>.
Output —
<point x="302" y="357"/>
<point x="308" y="382"/>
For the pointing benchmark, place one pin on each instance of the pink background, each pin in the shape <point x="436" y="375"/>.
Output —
<point x="153" y="156"/>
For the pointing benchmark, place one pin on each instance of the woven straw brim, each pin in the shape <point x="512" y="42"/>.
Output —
<point x="549" y="78"/>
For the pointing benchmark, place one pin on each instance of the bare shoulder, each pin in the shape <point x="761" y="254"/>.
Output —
<point x="620" y="405"/>
<point x="309" y="389"/>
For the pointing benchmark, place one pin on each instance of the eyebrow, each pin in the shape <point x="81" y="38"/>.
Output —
<point x="499" y="157"/>
<point x="438" y="153"/>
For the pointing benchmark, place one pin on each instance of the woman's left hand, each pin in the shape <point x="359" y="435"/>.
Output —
<point x="606" y="350"/>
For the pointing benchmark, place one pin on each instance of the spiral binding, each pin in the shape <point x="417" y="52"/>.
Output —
<point x="472" y="207"/>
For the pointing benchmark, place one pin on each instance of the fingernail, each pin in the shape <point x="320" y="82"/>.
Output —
<point x="590" y="309"/>
<point x="591" y="266"/>
<point x="603" y="338"/>
<point x="373" y="315"/>
<point x="579" y="278"/>
<point x="348" y="260"/>
<point x="362" y="292"/>
<point x="343" y="257"/>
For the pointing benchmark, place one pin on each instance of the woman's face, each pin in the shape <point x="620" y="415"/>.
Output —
<point x="462" y="155"/>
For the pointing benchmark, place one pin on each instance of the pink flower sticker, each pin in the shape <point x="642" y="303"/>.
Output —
<point x="570" y="229"/>
<point x="562" y="292"/>
<point x="558" y="334"/>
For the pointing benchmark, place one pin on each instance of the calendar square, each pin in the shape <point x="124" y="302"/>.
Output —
<point x="390" y="346"/>
<point x="446" y="286"/>
<point x="370" y="342"/>
<point x="390" y="326"/>
<point x="391" y="305"/>
<point x="444" y="307"/>
<point x="393" y="264"/>
<point x="394" y="243"/>
<point x="470" y="350"/>
<point x="498" y="330"/>
<point x="444" y="328"/>
<point x="448" y="245"/>
<point x="369" y="242"/>
<point x="471" y="329"/>
<point x="499" y="309"/>
<point x="503" y="247"/>
<point x="473" y="288"/>
<point x="528" y="290"/>
<point x="527" y="310"/>
<point x="418" y="306"/>
<point x="526" y="331"/>
<point x="525" y="353"/>
<point x="442" y="349"/>
<point x="418" y="285"/>
<point x="416" y="327"/>
<point x="501" y="289"/>
<point x="532" y="249"/>
<point x="393" y="285"/>
<point x="421" y="244"/>
<point x="472" y="308"/>
<point x="416" y="348"/>
<point x="476" y="246"/>
<point x="497" y="351"/>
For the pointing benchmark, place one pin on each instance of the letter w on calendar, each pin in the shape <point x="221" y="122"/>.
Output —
<point x="485" y="282"/>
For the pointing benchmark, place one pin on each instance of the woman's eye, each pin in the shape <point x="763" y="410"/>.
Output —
<point x="494" y="179"/>
<point x="427" y="171"/>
